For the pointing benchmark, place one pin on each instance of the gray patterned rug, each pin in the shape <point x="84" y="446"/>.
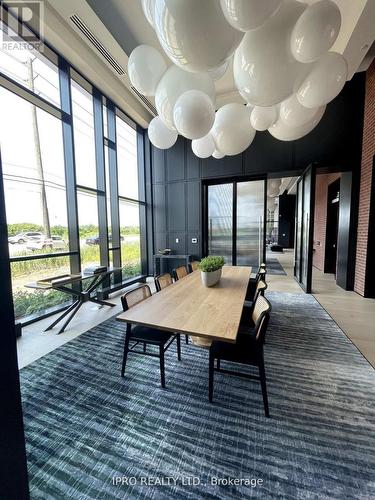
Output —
<point x="87" y="428"/>
<point x="274" y="267"/>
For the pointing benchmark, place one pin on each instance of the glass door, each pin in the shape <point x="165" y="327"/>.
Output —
<point x="305" y="228"/>
<point x="250" y="223"/>
<point x="235" y="222"/>
<point x="220" y="221"/>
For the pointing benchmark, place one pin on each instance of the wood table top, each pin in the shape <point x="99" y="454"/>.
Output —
<point x="189" y="307"/>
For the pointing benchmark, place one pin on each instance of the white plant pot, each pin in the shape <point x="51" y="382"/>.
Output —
<point x="210" y="279"/>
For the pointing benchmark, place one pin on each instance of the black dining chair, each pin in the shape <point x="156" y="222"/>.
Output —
<point x="161" y="282"/>
<point x="138" y="334"/>
<point x="248" y="350"/>
<point x="253" y="282"/>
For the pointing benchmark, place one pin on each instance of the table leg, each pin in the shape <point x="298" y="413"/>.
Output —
<point x="70" y="308"/>
<point x="102" y="302"/>
<point x="70" y="317"/>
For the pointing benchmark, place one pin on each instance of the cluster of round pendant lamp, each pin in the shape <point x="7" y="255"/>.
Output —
<point x="282" y="67"/>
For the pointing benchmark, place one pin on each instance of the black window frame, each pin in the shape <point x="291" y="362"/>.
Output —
<point x="67" y="72"/>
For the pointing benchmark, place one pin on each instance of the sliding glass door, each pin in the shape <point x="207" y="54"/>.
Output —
<point x="235" y="222"/>
<point x="220" y="221"/>
<point x="250" y="223"/>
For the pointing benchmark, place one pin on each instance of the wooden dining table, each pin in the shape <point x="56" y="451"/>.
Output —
<point x="188" y="307"/>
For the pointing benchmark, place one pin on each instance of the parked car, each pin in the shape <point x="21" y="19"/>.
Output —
<point x="21" y="238"/>
<point x="55" y="243"/>
<point x="94" y="240"/>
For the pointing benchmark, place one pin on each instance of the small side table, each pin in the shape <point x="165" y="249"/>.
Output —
<point x="159" y="257"/>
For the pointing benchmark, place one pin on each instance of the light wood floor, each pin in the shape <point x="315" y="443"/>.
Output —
<point x="354" y="315"/>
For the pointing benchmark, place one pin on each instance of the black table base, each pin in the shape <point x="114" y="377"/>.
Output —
<point x="81" y="296"/>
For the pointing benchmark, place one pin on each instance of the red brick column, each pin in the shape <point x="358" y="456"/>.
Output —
<point x="368" y="152"/>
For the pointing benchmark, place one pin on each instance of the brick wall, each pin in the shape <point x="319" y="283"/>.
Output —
<point x="368" y="152"/>
<point x="320" y="217"/>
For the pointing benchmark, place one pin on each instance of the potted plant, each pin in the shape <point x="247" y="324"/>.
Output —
<point x="210" y="268"/>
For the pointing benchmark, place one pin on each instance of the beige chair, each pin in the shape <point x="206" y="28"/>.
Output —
<point x="162" y="281"/>
<point x="194" y="265"/>
<point x="180" y="272"/>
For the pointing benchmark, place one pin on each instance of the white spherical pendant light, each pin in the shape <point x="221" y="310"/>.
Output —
<point x="195" y="34"/>
<point x="218" y="155"/>
<point x="193" y="114"/>
<point x="315" y="31"/>
<point x="324" y="82"/>
<point x="284" y="132"/>
<point x="146" y="66"/>
<point x="232" y="130"/>
<point x="148" y="7"/>
<point x="245" y="15"/>
<point x="262" y="118"/>
<point x="204" y="147"/>
<point x="160" y="135"/>
<point x="265" y="72"/>
<point x="173" y="84"/>
<point x="293" y="114"/>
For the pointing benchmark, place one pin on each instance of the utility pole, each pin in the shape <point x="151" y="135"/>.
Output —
<point x="38" y="153"/>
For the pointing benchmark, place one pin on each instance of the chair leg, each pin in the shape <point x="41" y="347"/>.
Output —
<point x="178" y="341"/>
<point x="144" y="347"/>
<point x="187" y="339"/>
<point x="218" y="364"/>
<point x="162" y="368"/>
<point x="210" y="377"/>
<point x="126" y="349"/>
<point x="262" y="376"/>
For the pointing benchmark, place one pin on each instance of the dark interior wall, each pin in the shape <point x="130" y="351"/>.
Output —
<point x="177" y="174"/>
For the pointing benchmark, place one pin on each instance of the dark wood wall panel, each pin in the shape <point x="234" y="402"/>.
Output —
<point x="159" y="208"/>
<point x="175" y="160"/>
<point x="176" y="206"/>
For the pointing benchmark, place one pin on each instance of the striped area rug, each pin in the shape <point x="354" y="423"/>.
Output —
<point x="274" y="267"/>
<point x="88" y="429"/>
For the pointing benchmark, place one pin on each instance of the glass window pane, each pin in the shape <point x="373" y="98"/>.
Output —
<point x="29" y="301"/>
<point x="34" y="177"/>
<point x="107" y="191"/>
<point x="105" y="121"/>
<point x="84" y="137"/>
<point x="130" y="239"/>
<point x="30" y="69"/>
<point x="220" y="221"/>
<point x="88" y="229"/>
<point x="250" y="223"/>
<point x="127" y="163"/>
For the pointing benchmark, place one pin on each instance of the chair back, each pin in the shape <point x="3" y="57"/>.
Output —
<point x="130" y="299"/>
<point x="162" y="281"/>
<point x="260" y="289"/>
<point x="260" y="316"/>
<point x="194" y="265"/>
<point x="180" y="272"/>
<point x="261" y="275"/>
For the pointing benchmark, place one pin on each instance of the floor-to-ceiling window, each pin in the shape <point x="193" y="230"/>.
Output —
<point x="130" y="198"/>
<point x="58" y="145"/>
